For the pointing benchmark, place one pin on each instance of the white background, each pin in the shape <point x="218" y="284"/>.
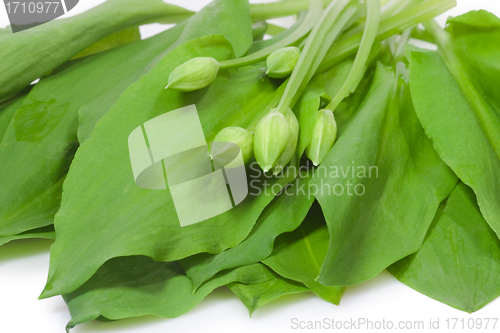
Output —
<point x="24" y="265"/>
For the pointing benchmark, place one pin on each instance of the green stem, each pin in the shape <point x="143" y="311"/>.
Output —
<point x="266" y="11"/>
<point x="313" y="45"/>
<point x="419" y="13"/>
<point x="405" y="36"/>
<point x="346" y="16"/>
<point x="315" y="7"/>
<point x="359" y="66"/>
<point x="346" y="19"/>
<point x="391" y="8"/>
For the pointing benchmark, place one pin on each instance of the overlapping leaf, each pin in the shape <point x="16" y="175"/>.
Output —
<point x="43" y="232"/>
<point x="257" y="295"/>
<point x="299" y="255"/>
<point x="47" y="122"/>
<point x="50" y="45"/>
<point x="142" y="221"/>
<point x="137" y="286"/>
<point x="459" y="261"/>
<point x="40" y="141"/>
<point x="283" y="214"/>
<point x="380" y="185"/>
<point x="457" y="101"/>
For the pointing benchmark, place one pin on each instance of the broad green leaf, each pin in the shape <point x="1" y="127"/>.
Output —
<point x="133" y="61"/>
<point x="138" y="221"/>
<point x="457" y="101"/>
<point x="459" y="261"/>
<point x="44" y="232"/>
<point x="119" y="38"/>
<point x="7" y="110"/>
<point x="380" y="185"/>
<point x="137" y="286"/>
<point x="298" y="255"/>
<point x="215" y="13"/>
<point x="42" y="137"/>
<point x="92" y="85"/>
<point x="46" y="47"/>
<point x="283" y="214"/>
<point x="230" y="18"/>
<point x="257" y="295"/>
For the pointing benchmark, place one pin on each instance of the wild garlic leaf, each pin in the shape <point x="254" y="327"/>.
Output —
<point x="230" y="18"/>
<point x="41" y="139"/>
<point x="144" y="221"/>
<point x="43" y="232"/>
<point x="133" y="61"/>
<point x="86" y="88"/>
<point x="299" y="255"/>
<point x="283" y="214"/>
<point x="459" y="261"/>
<point x="119" y="38"/>
<point x="457" y="101"/>
<point x="231" y="27"/>
<point x="134" y="286"/>
<point x="50" y="45"/>
<point x="257" y="295"/>
<point x="8" y="109"/>
<point x="380" y="185"/>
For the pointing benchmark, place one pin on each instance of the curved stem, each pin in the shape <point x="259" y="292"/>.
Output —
<point x="346" y="19"/>
<point x="315" y="7"/>
<point x="313" y="45"/>
<point x="359" y="66"/>
<point x="417" y="14"/>
<point x="265" y="11"/>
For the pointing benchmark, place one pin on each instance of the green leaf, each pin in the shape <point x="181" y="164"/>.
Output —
<point x="119" y="38"/>
<point x="86" y="88"/>
<point x="44" y="232"/>
<point x="42" y="138"/>
<point x="230" y="18"/>
<point x="459" y="261"/>
<point x="143" y="221"/>
<point x="216" y="12"/>
<point x="46" y="47"/>
<point x="136" y="286"/>
<point x="283" y="214"/>
<point x="118" y="70"/>
<point x="299" y="255"/>
<point x="456" y="100"/>
<point x="380" y="185"/>
<point x="257" y="295"/>
<point x="8" y="109"/>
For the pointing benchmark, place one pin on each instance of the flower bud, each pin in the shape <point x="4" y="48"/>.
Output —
<point x="293" y="127"/>
<point x="194" y="74"/>
<point x="323" y="138"/>
<point x="281" y="63"/>
<point x="270" y="139"/>
<point x="240" y="137"/>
